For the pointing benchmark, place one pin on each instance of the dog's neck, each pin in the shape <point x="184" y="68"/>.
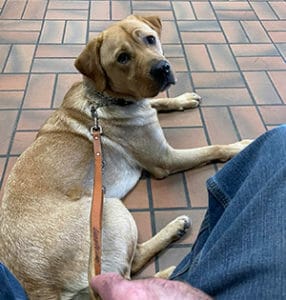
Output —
<point x="100" y="99"/>
<point x="105" y="100"/>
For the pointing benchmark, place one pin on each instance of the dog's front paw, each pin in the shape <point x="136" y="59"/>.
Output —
<point x="233" y="149"/>
<point x="238" y="146"/>
<point x="188" y="100"/>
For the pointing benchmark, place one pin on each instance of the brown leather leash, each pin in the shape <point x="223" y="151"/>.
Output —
<point x="97" y="200"/>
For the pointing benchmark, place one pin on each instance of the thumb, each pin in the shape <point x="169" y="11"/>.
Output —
<point x="104" y="284"/>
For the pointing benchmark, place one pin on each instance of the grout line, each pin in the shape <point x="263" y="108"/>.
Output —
<point x="4" y="6"/>
<point x="24" y="10"/>
<point x="187" y="194"/>
<point x="273" y="86"/>
<point x="88" y="23"/>
<point x="234" y="123"/>
<point x="194" y="12"/>
<point x="64" y="33"/>
<point x="7" y="58"/>
<point x="210" y="56"/>
<point x="167" y="209"/>
<point x="178" y="245"/>
<point x="54" y="92"/>
<point x="204" y="126"/>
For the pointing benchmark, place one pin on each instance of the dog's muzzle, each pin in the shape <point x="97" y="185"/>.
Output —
<point x="162" y="74"/>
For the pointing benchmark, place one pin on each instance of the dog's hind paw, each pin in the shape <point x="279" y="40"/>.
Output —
<point x="179" y="227"/>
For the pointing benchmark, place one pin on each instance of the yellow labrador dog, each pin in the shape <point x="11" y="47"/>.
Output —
<point x="44" y="222"/>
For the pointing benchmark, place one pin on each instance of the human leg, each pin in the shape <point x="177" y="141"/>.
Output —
<point x="10" y="288"/>
<point x="240" y="252"/>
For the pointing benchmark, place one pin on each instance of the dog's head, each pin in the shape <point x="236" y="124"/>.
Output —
<point x="127" y="60"/>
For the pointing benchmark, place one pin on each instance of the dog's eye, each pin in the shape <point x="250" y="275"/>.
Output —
<point x="123" y="58"/>
<point x="150" y="39"/>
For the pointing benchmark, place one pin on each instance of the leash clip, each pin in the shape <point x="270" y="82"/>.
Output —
<point x="94" y="115"/>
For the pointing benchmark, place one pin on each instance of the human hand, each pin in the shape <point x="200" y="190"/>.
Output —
<point x="112" y="286"/>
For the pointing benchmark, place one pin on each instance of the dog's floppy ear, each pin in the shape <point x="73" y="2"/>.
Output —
<point x="88" y="63"/>
<point x="153" y="21"/>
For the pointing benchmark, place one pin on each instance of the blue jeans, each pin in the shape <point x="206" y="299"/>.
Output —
<point x="10" y="288"/>
<point x="240" y="252"/>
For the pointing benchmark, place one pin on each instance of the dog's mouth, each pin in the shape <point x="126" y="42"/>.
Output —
<point x="161" y="72"/>
<point x="167" y="83"/>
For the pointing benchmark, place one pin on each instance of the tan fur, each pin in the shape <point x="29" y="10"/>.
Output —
<point x="44" y="221"/>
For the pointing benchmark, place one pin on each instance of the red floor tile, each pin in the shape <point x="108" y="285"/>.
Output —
<point x="273" y="115"/>
<point x="220" y="126"/>
<point x="234" y="32"/>
<point x="138" y="197"/>
<point x="263" y="10"/>
<point x="198" y="58"/>
<point x="278" y="79"/>
<point x="52" y="32"/>
<point x="280" y="8"/>
<point x="7" y="125"/>
<point x="35" y="9"/>
<point x="248" y="121"/>
<point x="143" y="221"/>
<point x="184" y="138"/>
<point x="261" y="88"/>
<point x="261" y="63"/>
<point x="22" y="140"/>
<point x="169" y="192"/>
<point x="11" y="99"/>
<point x="39" y="91"/>
<point x="255" y="32"/>
<point x="183" y="10"/>
<point x="181" y="118"/>
<point x="20" y="59"/>
<point x="100" y="10"/>
<point x="222" y="58"/>
<point x="13" y="82"/>
<point x="120" y="10"/>
<point x="32" y="119"/>
<point x="75" y="32"/>
<point x="224" y="96"/>
<point x="203" y="11"/>
<point x="13" y="9"/>
<point x="218" y="80"/>
<point x="196" y="184"/>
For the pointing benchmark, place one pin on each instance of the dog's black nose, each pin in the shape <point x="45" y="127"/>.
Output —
<point x="160" y="69"/>
<point x="162" y="73"/>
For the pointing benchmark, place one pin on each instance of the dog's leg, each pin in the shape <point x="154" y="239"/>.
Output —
<point x="173" y="160"/>
<point x="184" y="101"/>
<point x="173" y="231"/>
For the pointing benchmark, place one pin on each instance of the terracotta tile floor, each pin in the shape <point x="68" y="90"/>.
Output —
<point x="232" y="53"/>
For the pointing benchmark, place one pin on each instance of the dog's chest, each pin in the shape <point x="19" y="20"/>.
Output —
<point x="120" y="172"/>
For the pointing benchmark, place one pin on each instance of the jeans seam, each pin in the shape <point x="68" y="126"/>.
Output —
<point x="214" y="189"/>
